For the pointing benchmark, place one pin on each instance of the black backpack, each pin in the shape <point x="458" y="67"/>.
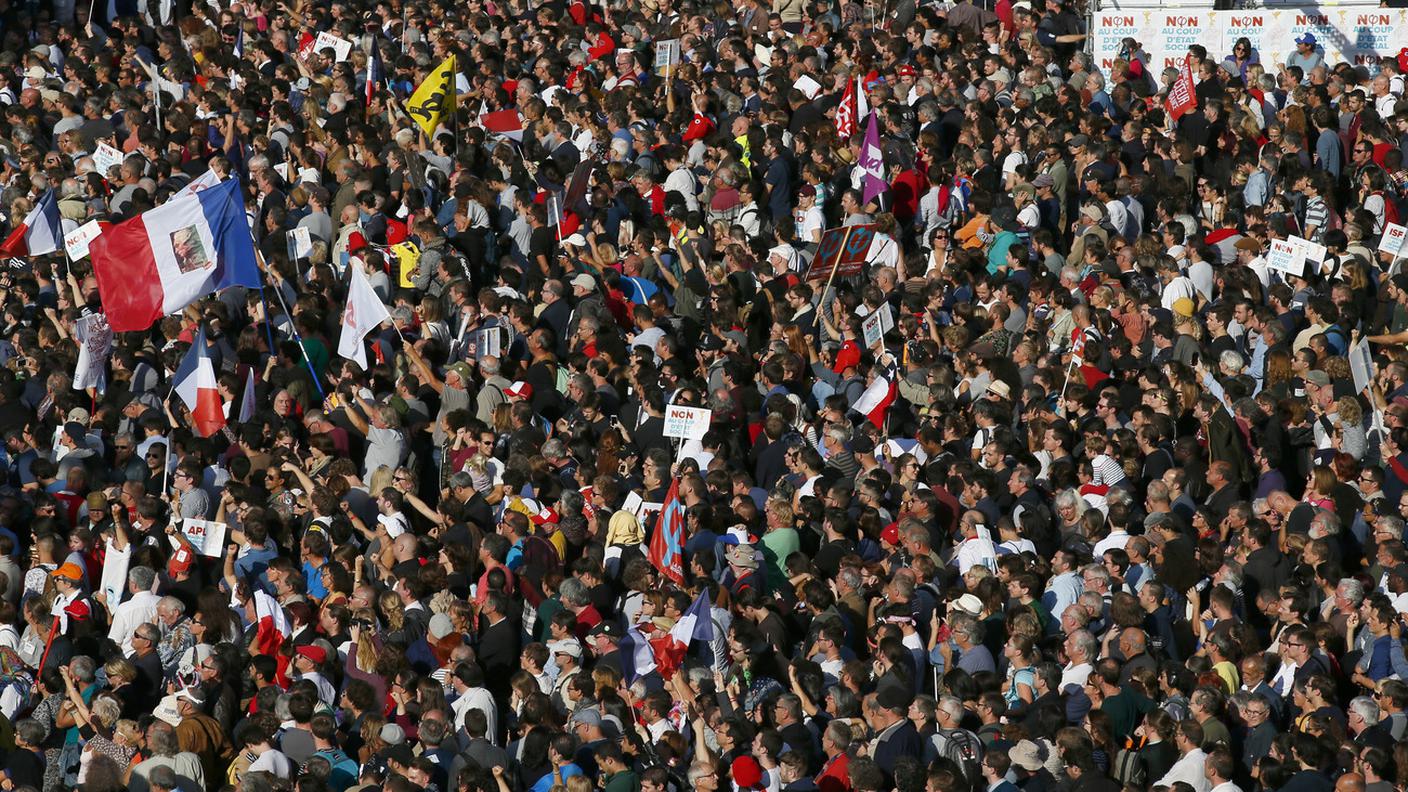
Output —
<point x="965" y="749"/>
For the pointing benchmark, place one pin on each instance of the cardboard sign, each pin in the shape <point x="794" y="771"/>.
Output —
<point x="76" y="242"/>
<point x="105" y="157"/>
<point x="341" y="47"/>
<point x="206" y="536"/>
<point x="301" y="242"/>
<point x="1286" y="256"/>
<point x="1393" y="239"/>
<point x="843" y="248"/>
<point x="1314" y="253"/>
<point x="689" y="423"/>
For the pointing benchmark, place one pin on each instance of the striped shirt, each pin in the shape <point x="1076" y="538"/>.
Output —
<point x="1317" y="214"/>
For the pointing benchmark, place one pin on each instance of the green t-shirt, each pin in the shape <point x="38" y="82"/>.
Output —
<point x="778" y="544"/>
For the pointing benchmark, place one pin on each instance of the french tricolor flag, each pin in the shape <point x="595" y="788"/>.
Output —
<point x="697" y="624"/>
<point x="376" y="72"/>
<point x="270" y="631"/>
<point x="195" y="382"/>
<point x="163" y="260"/>
<point x="40" y="232"/>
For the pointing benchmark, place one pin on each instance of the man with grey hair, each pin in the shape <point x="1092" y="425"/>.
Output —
<point x="951" y="740"/>
<point x="1364" y="718"/>
<point x="1081" y="651"/>
<point x="176" y="635"/>
<point x="164" y="751"/>
<point x="386" y="443"/>
<point x="491" y="394"/>
<point x="139" y="607"/>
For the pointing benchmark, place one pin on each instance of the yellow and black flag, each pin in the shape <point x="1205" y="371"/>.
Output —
<point x="434" y="97"/>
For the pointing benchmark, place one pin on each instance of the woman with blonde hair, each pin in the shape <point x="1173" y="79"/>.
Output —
<point x="1349" y="435"/>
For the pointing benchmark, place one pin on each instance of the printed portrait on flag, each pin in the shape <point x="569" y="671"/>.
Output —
<point x="188" y="250"/>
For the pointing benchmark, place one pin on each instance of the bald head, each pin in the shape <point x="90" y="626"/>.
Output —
<point x="404" y="547"/>
<point x="1350" y="782"/>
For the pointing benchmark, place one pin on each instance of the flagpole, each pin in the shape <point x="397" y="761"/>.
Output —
<point x="835" y="265"/>
<point x="291" y="326"/>
<point x="166" y="464"/>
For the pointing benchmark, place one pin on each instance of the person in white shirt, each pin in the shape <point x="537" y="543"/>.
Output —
<point x="977" y="548"/>
<point x="681" y="179"/>
<point x="1116" y="539"/>
<point x="136" y="610"/>
<point x="1219" y="769"/>
<point x="809" y="218"/>
<point x="1081" y="649"/>
<point x="1189" y="768"/>
<point x="265" y="757"/>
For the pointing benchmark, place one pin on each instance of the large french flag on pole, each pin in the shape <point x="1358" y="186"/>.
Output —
<point x="40" y="232"/>
<point x="163" y="260"/>
<point x="195" y="383"/>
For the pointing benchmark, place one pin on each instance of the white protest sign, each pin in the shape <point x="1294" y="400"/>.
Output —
<point x="302" y="242"/>
<point x="488" y="342"/>
<point x="1393" y="238"/>
<point x="76" y="241"/>
<point x="105" y="157"/>
<point x="114" y="580"/>
<point x="207" y="537"/>
<point x="1286" y="256"/>
<point x="809" y="87"/>
<point x="1361" y="366"/>
<point x="872" y="329"/>
<point x="686" y="422"/>
<point x="1313" y="253"/>
<point x="667" y="54"/>
<point x="94" y="337"/>
<point x="341" y="47"/>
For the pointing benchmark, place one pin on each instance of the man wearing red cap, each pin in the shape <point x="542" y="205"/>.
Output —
<point x="308" y="662"/>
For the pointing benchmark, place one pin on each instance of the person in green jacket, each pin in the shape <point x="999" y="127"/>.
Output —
<point x="615" y="775"/>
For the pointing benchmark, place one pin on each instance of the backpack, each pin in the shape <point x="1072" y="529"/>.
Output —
<point x="1128" y="769"/>
<point x="1391" y="207"/>
<point x="964" y="748"/>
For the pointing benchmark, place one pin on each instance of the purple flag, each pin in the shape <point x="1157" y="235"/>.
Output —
<point x="872" y="160"/>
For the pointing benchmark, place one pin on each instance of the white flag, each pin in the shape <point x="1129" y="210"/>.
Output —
<point x="862" y="101"/>
<point x="363" y="314"/>
<point x="94" y="338"/>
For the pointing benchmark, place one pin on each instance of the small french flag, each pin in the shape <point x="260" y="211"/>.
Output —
<point x="376" y="72"/>
<point x="40" y="232"/>
<point x="196" y="384"/>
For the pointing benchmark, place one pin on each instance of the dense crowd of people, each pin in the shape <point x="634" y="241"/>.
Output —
<point x="1076" y="480"/>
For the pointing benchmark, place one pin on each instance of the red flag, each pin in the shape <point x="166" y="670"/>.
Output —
<point x="667" y="543"/>
<point x="846" y="112"/>
<point x="305" y="45"/>
<point x="1181" y="97"/>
